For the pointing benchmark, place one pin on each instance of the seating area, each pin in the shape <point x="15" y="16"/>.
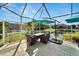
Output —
<point x="32" y="38"/>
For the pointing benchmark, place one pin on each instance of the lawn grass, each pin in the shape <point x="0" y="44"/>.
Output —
<point x="1" y="43"/>
<point x="15" y="37"/>
<point x="0" y="40"/>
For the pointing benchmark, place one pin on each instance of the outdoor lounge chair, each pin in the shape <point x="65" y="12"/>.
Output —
<point x="56" y="41"/>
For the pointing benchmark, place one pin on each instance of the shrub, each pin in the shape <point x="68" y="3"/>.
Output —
<point x="76" y="39"/>
<point x="75" y="36"/>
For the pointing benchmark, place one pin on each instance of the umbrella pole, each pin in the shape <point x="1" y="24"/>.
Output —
<point x="39" y="27"/>
<point x="32" y="26"/>
<point x="55" y="32"/>
<point x="50" y="26"/>
<point x="71" y="32"/>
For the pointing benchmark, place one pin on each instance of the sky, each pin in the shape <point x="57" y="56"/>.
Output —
<point x="55" y="9"/>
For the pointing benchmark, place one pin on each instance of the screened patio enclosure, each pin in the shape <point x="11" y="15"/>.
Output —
<point x="39" y="14"/>
<point x="17" y="19"/>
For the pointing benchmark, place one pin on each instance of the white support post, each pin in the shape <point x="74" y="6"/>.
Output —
<point x="3" y="32"/>
<point x="21" y="25"/>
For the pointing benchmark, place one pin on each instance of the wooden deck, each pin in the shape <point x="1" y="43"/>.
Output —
<point x="40" y="49"/>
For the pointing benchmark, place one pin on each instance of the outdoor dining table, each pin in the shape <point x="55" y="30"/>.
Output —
<point x="32" y="38"/>
<point x="39" y="34"/>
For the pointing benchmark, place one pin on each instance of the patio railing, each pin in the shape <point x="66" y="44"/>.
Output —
<point x="6" y="37"/>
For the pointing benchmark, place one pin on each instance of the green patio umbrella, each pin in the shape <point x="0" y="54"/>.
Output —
<point x="42" y="21"/>
<point x="73" y="19"/>
<point x="45" y="22"/>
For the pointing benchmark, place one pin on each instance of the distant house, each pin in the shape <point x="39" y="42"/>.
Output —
<point x="14" y="27"/>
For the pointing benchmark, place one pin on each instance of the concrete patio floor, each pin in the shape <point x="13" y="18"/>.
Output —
<point x="40" y="49"/>
<point x="9" y="49"/>
<point x="52" y="49"/>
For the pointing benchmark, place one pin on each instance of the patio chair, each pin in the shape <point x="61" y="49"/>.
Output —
<point x="31" y="39"/>
<point x="45" y="38"/>
<point x="42" y="38"/>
